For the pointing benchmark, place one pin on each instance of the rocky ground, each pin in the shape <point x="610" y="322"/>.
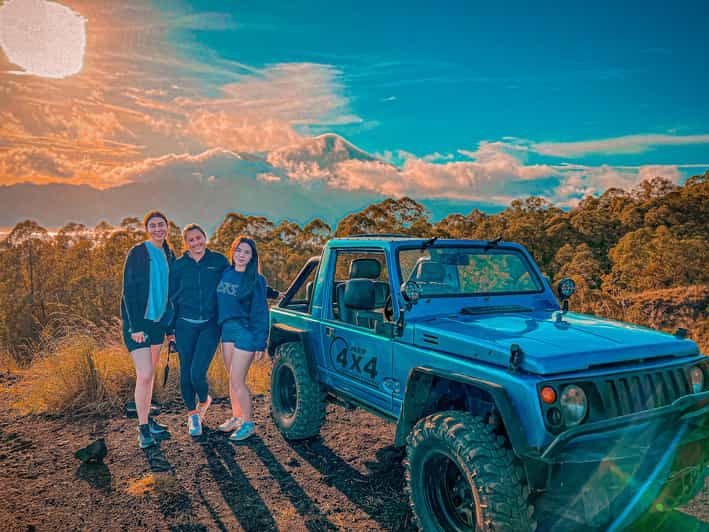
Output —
<point x="349" y="479"/>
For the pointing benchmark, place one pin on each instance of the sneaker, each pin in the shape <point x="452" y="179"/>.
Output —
<point x="230" y="424"/>
<point x="194" y="425"/>
<point x="155" y="427"/>
<point x="145" y="438"/>
<point x="202" y="408"/>
<point x="245" y="430"/>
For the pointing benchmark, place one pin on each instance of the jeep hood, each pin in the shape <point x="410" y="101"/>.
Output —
<point x="575" y="343"/>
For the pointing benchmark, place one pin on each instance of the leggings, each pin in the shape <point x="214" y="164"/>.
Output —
<point x="196" y="344"/>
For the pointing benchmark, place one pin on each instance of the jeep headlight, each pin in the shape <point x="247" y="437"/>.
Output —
<point x="574" y="405"/>
<point x="696" y="375"/>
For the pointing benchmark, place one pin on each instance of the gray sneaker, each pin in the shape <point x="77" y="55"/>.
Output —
<point x="230" y="424"/>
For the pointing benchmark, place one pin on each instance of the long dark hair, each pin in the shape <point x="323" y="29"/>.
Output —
<point x="253" y="268"/>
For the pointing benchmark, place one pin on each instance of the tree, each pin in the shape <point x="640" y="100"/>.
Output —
<point x="649" y="259"/>
<point x="404" y="216"/>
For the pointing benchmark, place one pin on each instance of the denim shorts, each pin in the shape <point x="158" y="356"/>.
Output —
<point x="237" y="332"/>
<point x="154" y="331"/>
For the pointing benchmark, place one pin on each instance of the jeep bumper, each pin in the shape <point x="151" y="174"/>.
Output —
<point x="609" y="473"/>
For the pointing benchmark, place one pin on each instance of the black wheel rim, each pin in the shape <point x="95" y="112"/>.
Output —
<point x="449" y="495"/>
<point x="286" y="390"/>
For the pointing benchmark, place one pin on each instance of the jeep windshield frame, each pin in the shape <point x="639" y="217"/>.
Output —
<point x="455" y="265"/>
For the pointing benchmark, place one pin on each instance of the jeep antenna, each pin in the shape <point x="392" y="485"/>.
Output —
<point x="428" y="243"/>
<point x="493" y="243"/>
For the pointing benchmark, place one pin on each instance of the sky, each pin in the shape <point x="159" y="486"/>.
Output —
<point x="462" y="102"/>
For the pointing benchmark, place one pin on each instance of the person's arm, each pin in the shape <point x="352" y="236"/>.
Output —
<point x="173" y="295"/>
<point x="272" y="293"/>
<point x="258" y="319"/>
<point x="129" y="286"/>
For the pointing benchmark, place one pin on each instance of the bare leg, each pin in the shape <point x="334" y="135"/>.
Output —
<point x="240" y="362"/>
<point x="155" y="358"/>
<point x="228" y="353"/>
<point x="144" y="377"/>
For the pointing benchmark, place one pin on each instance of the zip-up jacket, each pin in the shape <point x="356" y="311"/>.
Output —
<point x="136" y="287"/>
<point x="193" y="285"/>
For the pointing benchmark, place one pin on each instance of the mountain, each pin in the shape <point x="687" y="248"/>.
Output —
<point x="298" y="182"/>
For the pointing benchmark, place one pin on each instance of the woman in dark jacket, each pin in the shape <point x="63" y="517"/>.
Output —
<point x="193" y="290"/>
<point x="145" y="312"/>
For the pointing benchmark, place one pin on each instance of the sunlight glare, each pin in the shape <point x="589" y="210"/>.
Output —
<point x="44" y="38"/>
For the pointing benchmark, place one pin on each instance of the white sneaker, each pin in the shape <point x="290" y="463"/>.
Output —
<point x="203" y="409"/>
<point x="230" y="424"/>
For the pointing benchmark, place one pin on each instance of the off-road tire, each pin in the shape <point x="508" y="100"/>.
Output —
<point x="306" y="413"/>
<point x="493" y="473"/>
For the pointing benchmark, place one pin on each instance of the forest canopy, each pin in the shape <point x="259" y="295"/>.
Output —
<point x="638" y="255"/>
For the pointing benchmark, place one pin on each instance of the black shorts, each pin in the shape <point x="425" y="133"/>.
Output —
<point x="154" y="335"/>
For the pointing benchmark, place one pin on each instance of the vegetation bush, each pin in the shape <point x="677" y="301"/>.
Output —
<point x="79" y="374"/>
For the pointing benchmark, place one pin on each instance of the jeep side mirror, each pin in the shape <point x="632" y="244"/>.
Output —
<point x="411" y="291"/>
<point x="565" y="289"/>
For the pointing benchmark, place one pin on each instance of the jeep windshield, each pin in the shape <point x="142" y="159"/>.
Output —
<point x="468" y="270"/>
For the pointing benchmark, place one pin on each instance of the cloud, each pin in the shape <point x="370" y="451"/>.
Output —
<point x="615" y="145"/>
<point x="493" y="174"/>
<point x="141" y="98"/>
<point x="28" y="163"/>
<point x="668" y="171"/>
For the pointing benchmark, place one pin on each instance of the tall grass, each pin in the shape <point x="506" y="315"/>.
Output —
<point x="8" y="363"/>
<point x="258" y="379"/>
<point x="91" y="373"/>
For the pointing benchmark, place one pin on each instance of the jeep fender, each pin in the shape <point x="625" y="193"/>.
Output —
<point x="282" y="333"/>
<point x="417" y="396"/>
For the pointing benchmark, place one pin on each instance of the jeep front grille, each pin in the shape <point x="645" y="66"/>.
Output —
<point x="623" y="395"/>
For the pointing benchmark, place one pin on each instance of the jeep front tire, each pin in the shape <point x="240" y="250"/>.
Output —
<point x="297" y="400"/>
<point x="460" y="476"/>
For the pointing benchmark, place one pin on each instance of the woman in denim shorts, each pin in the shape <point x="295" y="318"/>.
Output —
<point x="243" y="316"/>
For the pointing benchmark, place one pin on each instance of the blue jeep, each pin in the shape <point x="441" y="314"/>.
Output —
<point x="516" y="414"/>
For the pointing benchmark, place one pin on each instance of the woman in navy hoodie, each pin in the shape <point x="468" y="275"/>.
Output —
<point x="146" y="313"/>
<point x="243" y="316"/>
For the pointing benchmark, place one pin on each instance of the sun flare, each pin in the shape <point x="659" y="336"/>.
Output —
<point x="45" y="39"/>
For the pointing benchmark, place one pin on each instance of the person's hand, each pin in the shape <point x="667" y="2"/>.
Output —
<point x="138" y="337"/>
<point x="258" y="356"/>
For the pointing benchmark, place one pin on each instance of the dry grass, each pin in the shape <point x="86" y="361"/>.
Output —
<point x="154" y="484"/>
<point x="79" y="375"/>
<point x="8" y="363"/>
<point x="258" y="379"/>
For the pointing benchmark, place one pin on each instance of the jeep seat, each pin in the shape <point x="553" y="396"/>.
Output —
<point x="358" y="297"/>
<point x="431" y="276"/>
<point x="431" y="272"/>
<point x="371" y="269"/>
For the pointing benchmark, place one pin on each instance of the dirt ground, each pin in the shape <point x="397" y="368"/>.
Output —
<point x="349" y="479"/>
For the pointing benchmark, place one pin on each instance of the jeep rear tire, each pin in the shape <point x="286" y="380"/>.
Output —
<point x="297" y="400"/>
<point x="460" y="476"/>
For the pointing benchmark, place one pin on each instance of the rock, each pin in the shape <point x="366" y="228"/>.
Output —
<point x="94" y="452"/>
